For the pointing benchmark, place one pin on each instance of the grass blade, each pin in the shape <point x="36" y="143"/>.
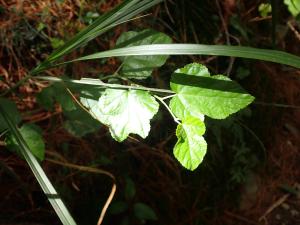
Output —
<point x="198" y="49"/>
<point x="56" y="202"/>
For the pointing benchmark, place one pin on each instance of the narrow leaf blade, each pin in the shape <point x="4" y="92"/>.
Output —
<point x="199" y="49"/>
<point x="56" y="202"/>
<point x="12" y="110"/>
<point x="32" y="135"/>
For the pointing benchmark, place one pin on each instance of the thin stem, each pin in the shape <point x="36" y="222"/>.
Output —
<point x="99" y="83"/>
<point x="108" y="77"/>
<point x="115" y="74"/>
<point x="162" y="101"/>
<point x="76" y="100"/>
<point x="167" y="97"/>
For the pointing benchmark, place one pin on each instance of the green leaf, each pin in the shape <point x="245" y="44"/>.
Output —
<point x="80" y="123"/>
<point x="129" y="188"/>
<point x="181" y="111"/>
<point x="195" y="69"/>
<point x="265" y="9"/>
<point x="46" y="98"/>
<point x="190" y="148"/>
<point x="56" y="93"/>
<point x="293" y="6"/>
<point x="56" y="42"/>
<point x="56" y="202"/>
<point x="124" y="112"/>
<point x="32" y="135"/>
<point x="242" y="73"/>
<point x="40" y="26"/>
<point x="144" y="212"/>
<point x="118" y="207"/>
<point x="89" y="17"/>
<point x="141" y="67"/>
<point x="215" y="96"/>
<point x="11" y="108"/>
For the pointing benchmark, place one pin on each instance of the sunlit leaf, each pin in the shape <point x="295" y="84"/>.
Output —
<point x="265" y="9"/>
<point x="190" y="148"/>
<point x="125" y="112"/>
<point x="215" y="96"/>
<point x="293" y="6"/>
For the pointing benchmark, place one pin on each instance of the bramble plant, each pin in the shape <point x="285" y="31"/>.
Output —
<point x="128" y="109"/>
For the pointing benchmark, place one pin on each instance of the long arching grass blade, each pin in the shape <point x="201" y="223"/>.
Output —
<point x="198" y="49"/>
<point x="56" y="202"/>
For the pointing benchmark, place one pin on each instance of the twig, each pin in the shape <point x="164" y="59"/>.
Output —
<point x="274" y="206"/>
<point x="297" y="34"/>
<point x="162" y="101"/>
<point x="107" y="203"/>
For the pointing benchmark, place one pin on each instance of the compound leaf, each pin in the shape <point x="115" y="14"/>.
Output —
<point x="141" y="67"/>
<point x="215" y="96"/>
<point x="190" y="148"/>
<point x="125" y="112"/>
